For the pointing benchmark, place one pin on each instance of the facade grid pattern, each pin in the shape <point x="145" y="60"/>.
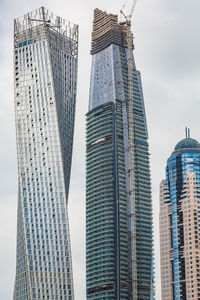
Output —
<point x="45" y="72"/>
<point x="179" y="226"/>
<point x="108" y="275"/>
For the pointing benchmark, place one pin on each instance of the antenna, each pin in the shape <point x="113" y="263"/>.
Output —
<point x="189" y="133"/>
<point x="186" y="132"/>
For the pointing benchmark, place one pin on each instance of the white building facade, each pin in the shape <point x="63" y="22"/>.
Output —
<point x="45" y="80"/>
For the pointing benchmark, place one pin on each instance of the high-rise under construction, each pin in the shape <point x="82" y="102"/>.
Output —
<point x="119" y="242"/>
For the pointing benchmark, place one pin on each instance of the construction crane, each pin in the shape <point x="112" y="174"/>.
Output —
<point x="129" y="17"/>
<point x="131" y="205"/>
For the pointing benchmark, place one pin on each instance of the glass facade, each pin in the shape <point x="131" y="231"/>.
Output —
<point x="179" y="226"/>
<point x="45" y="75"/>
<point x="108" y="255"/>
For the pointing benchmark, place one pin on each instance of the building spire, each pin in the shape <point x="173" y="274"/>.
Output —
<point x="187" y="133"/>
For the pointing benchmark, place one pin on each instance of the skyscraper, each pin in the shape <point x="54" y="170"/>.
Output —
<point x="45" y="76"/>
<point x="179" y="223"/>
<point x="109" y="252"/>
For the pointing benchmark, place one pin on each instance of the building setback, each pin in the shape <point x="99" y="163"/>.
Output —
<point x="108" y="233"/>
<point x="179" y="223"/>
<point x="45" y="76"/>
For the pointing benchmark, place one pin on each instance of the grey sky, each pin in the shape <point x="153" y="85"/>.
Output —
<point x="167" y="54"/>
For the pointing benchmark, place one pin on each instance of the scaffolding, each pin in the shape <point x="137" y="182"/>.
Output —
<point x="41" y="22"/>
<point x="106" y="31"/>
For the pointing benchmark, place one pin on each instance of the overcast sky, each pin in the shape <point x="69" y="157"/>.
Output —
<point x="167" y="50"/>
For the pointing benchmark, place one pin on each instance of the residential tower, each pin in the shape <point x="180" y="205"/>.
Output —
<point x="45" y="79"/>
<point x="109" y="251"/>
<point x="179" y="223"/>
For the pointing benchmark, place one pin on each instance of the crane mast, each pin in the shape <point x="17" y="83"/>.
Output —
<point x="131" y="205"/>
<point x="131" y="126"/>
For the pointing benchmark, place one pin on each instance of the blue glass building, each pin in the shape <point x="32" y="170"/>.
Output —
<point x="45" y="75"/>
<point x="108" y="255"/>
<point x="179" y="223"/>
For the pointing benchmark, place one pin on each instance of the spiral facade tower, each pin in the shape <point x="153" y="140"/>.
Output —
<point x="108" y="229"/>
<point x="45" y="76"/>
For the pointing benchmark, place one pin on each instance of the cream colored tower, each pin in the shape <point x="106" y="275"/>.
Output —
<point x="180" y="223"/>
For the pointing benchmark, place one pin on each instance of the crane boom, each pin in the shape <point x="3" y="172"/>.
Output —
<point x="132" y="9"/>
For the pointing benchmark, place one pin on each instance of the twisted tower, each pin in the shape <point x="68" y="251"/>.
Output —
<point x="45" y="77"/>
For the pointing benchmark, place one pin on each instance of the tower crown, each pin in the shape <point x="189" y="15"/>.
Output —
<point x="186" y="145"/>
<point x="107" y="30"/>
